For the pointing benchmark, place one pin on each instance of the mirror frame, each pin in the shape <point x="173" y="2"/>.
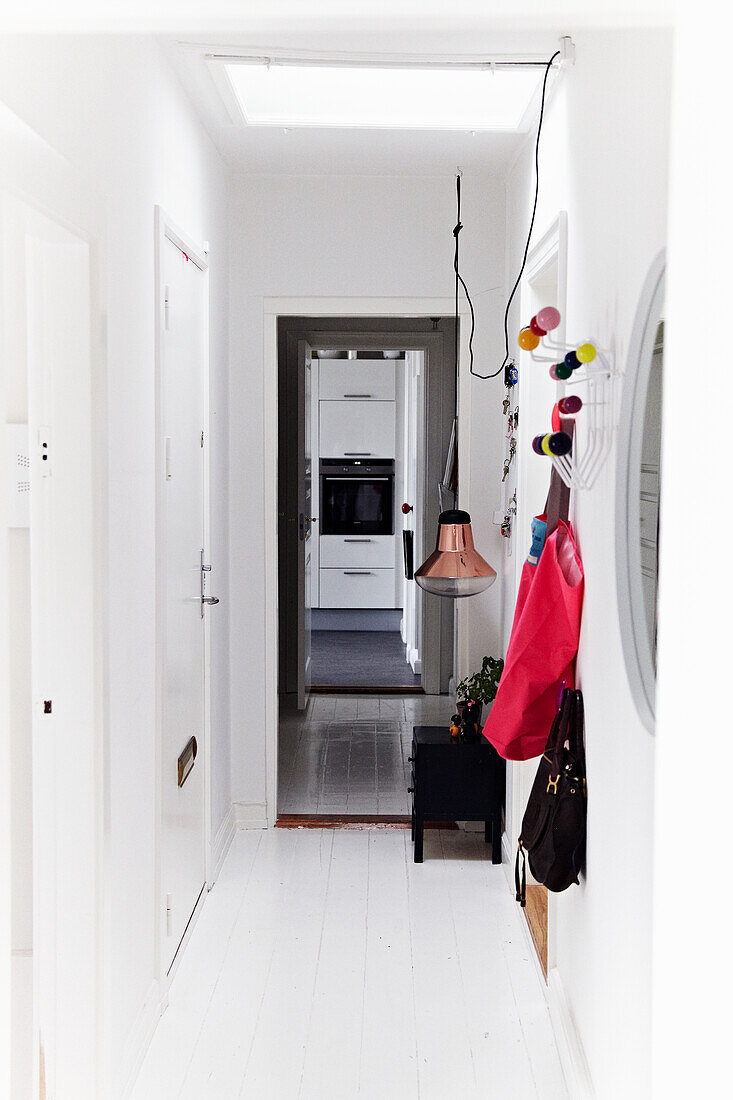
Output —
<point x="635" y="641"/>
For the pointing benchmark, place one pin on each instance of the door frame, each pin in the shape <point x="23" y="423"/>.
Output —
<point x="308" y="540"/>
<point x="166" y="229"/>
<point x="415" y="401"/>
<point x="34" y="177"/>
<point x="333" y="338"/>
<point x="273" y="308"/>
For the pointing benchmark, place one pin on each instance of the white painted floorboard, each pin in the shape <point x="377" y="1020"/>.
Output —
<point x="326" y="965"/>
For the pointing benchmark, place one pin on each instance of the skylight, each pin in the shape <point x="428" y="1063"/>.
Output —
<point x="387" y="98"/>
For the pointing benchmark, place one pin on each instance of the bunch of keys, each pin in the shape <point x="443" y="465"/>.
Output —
<point x="508" y="461"/>
<point x="506" y="527"/>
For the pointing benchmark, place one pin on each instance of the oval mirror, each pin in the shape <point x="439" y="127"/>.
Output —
<point x="637" y="501"/>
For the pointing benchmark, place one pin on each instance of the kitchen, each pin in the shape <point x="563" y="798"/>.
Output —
<point x="359" y="403"/>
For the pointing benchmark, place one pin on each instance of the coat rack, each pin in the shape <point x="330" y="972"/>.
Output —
<point x="577" y="461"/>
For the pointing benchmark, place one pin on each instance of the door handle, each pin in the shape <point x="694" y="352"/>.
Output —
<point x="211" y="600"/>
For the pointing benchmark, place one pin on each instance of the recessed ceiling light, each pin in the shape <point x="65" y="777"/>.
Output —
<point x="384" y="98"/>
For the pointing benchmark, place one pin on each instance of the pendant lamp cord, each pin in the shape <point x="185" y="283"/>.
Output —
<point x="461" y="283"/>
<point x="459" y="227"/>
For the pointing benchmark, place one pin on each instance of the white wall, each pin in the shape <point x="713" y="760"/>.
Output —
<point x="114" y="109"/>
<point x="480" y="490"/>
<point x="604" y="159"/>
<point x="692" y="986"/>
<point x="324" y="236"/>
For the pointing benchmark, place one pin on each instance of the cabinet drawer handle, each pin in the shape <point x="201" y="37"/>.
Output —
<point x="357" y="395"/>
<point x="410" y="790"/>
<point x="357" y="572"/>
<point x="410" y="759"/>
<point x="360" y="454"/>
<point x="357" y="540"/>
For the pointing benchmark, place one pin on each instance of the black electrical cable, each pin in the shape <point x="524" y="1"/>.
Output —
<point x="460" y="280"/>
<point x="459" y="227"/>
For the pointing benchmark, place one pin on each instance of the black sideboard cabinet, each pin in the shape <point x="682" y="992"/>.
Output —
<point x="455" y="782"/>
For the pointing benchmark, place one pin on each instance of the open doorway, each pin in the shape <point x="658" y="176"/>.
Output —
<point x="360" y="403"/>
<point x="366" y="417"/>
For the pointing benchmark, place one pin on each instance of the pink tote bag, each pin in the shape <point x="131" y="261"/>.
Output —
<point x="542" y="649"/>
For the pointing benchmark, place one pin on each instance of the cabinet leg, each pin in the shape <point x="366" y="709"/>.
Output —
<point x="412" y="824"/>
<point x="418" y="839"/>
<point x="496" y="838"/>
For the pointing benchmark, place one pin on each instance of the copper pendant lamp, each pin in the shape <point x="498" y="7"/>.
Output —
<point x="455" y="568"/>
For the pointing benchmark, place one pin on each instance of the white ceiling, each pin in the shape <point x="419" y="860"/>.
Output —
<point x="364" y="17"/>
<point x="415" y="28"/>
<point x="264" y="150"/>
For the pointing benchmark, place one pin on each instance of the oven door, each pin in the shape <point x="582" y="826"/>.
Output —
<point x="357" y="505"/>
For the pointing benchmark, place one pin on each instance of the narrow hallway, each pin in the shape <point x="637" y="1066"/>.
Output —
<point x="352" y="351"/>
<point x="327" y="965"/>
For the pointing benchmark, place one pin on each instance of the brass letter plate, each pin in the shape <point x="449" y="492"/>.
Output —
<point x="186" y="761"/>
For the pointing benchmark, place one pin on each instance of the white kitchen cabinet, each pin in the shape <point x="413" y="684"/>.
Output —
<point x="357" y="587"/>
<point x="357" y="429"/>
<point x="356" y="379"/>
<point x="358" y="552"/>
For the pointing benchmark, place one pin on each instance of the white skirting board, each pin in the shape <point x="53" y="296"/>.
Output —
<point x="569" y="1046"/>
<point x="507" y="859"/>
<point x="250" y="815"/>
<point x="572" y="1056"/>
<point x="137" y="1043"/>
<point x="242" y="815"/>
<point x="221" y="844"/>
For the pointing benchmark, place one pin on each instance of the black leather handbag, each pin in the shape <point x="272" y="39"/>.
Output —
<point x="553" y="826"/>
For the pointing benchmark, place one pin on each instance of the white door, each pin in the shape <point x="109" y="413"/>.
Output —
<point x="306" y="519"/>
<point x="414" y="458"/>
<point x="183" y="362"/>
<point x="65" y="732"/>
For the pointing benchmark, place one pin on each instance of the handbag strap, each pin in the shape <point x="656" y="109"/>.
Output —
<point x="577" y="730"/>
<point x="565" y="729"/>
<point x="520" y="878"/>
<point x="554" y="728"/>
<point x="557" y="505"/>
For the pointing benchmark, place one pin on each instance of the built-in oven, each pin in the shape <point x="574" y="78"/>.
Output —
<point x="357" y="496"/>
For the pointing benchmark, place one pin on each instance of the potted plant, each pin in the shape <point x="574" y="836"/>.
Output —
<point x="473" y="692"/>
